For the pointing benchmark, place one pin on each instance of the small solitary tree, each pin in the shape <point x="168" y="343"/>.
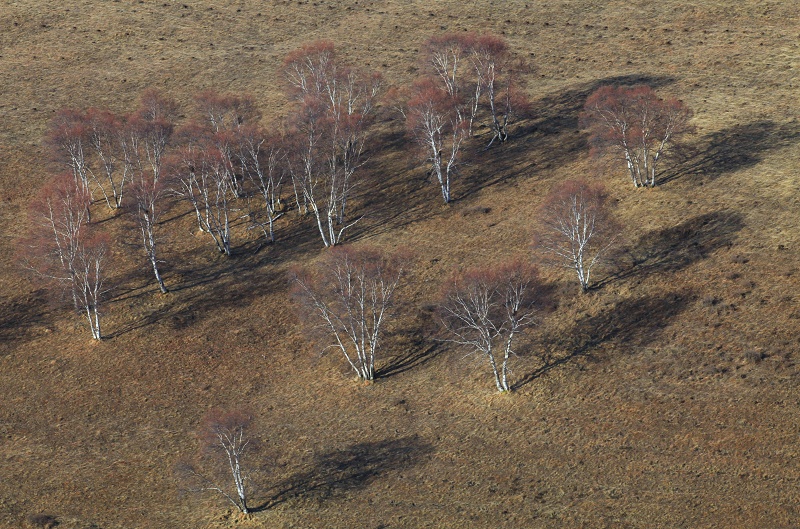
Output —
<point x="635" y="125"/>
<point x="351" y="295"/>
<point x="485" y="310"/>
<point x="576" y="228"/>
<point x="224" y="441"/>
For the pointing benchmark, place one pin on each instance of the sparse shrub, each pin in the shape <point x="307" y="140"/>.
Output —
<point x="752" y="356"/>
<point x="45" y="521"/>
<point x="476" y="210"/>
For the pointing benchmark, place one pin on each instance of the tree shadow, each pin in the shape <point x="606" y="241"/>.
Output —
<point x="389" y="203"/>
<point x="200" y="279"/>
<point x="413" y="340"/>
<point x="18" y="316"/>
<point x="210" y="284"/>
<point x="730" y="149"/>
<point x="677" y="247"/>
<point x="632" y="323"/>
<point x="354" y="468"/>
<point x="549" y="136"/>
<point x="412" y="357"/>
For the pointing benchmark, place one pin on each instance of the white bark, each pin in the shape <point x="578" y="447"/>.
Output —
<point x="486" y="315"/>
<point x="354" y="307"/>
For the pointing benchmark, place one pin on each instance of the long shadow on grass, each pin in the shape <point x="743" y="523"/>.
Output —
<point x="550" y="137"/>
<point x="631" y="323"/>
<point x="210" y="281"/>
<point x="417" y="355"/>
<point x="394" y="190"/>
<point x="731" y="149"/>
<point x="17" y="317"/>
<point x="351" y="469"/>
<point x="414" y="341"/>
<point x="677" y="247"/>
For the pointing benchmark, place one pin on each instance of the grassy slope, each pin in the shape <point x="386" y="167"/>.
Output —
<point x="652" y="418"/>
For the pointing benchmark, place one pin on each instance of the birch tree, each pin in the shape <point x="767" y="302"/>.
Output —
<point x="105" y="135"/>
<point x="145" y="139"/>
<point x="477" y="72"/>
<point x="149" y="193"/>
<point x="497" y="76"/>
<point x="438" y="129"/>
<point x="68" y="138"/>
<point x="329" y="129"/>
<point x="577" y="228"/>
<point x="224" y="441"/>
<point x="204" y="180"/>
<point x="65" y="252"/>
<point x="486" y="309"/>
<point x="636" y="126"/>
<point x="262" y="159"/>
<point x="351" y="297"/>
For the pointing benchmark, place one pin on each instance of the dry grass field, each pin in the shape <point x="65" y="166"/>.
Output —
<point x="666" y="398"/>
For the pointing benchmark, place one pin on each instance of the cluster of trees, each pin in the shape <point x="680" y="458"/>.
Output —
<point x="232" y="169"/>
<point x="485" y="309"/>
<point x="465" y="76"/>
<point x="349" y="296"/>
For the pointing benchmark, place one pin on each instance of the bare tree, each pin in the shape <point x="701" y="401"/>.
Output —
<point x="351" y="294"/>
<point x="224" y="441"/>
<point x="203" y="173"/>
<point x="577" y="228"/>
<point x="67" y="138"/>
<point x="220" y="150"/>
<point x="63" y="250"/>
<point x="148" y="194"/>
<point x="496" y="76"/>
<point x="104" y="132"/>
<point x="154" y="105"/>
<point x="225" y="116"/>
<point x="329" y="128"/>
<point x="145" y="138"/>
<point x="485" y="309"/>
<point x="144" y="143"/>
<point x="634" y="124"/>
<point x="226" y="111"/>
<point x="476" y="71"/>
<point x="262" y="160"/>
<point x="439" y="129"/>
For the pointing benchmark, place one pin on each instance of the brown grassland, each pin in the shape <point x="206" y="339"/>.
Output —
<point x="665" y="398"/>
